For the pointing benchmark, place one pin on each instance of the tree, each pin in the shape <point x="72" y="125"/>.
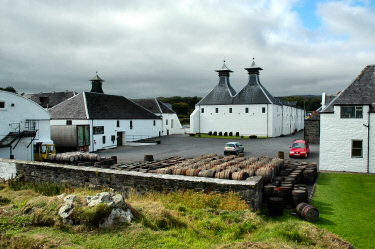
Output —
<point x="9" y="89"/>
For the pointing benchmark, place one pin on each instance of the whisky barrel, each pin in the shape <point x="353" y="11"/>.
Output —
<point x="275" y="206"/>
<point x="207" y="173"/>
<point x="299" y="196"/>
<point x="300" y="207"/>
<point x="310" y="213"/>
<point x="240" y="175"/>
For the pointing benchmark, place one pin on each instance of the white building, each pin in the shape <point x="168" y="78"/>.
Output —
<point x="347" y="127"/>
<point x="170" y="122"/>
<point x="112" y="120"/>
<point x="23" y="125"/>
<point x="252" y="111"/>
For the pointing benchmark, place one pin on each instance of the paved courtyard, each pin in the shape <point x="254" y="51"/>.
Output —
<point x="186" y="146"/>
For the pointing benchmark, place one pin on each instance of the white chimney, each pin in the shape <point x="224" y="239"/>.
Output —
<point x="323" y="101"/>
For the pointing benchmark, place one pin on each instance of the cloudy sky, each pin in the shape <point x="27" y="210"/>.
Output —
<point x="166" y="48"/>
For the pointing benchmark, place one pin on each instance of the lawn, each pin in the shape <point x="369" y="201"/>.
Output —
<point x="183" y="219"/>
<point x="346" y="203"/>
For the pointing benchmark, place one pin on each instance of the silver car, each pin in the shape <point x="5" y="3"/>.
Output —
<point x="233" y="148"/>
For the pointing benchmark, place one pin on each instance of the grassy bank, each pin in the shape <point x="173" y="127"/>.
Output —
<point x="28" y="219"/>
<point x="346" y="203"/>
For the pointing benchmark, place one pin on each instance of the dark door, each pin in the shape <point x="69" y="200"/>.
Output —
<point x="119" y="138"/>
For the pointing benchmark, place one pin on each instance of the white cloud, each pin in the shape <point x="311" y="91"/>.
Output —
<point x="163" y="48"/>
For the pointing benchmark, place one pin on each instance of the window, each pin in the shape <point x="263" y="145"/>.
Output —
<point x="69" y="122"/>
<point x="246" y="110"/>
<point x="2" y="105"/>
<point x="351" y="112"/>
<point x="154" y="122"/>
<point x="131" y="124"/>
<point x="202" y="110"/>
<point x="230" y="110"/>
<point x="357" y="148"/>
<point x="103" y="139"/>
<point x="166" y="122"/>
<point x="217" y="110"/>
<point x="97" y="130"/>
<point x="263" y="110"/>
<point x="31" y="125"/>
<point x="118" y="123"/>
<point x="171" y="123"/>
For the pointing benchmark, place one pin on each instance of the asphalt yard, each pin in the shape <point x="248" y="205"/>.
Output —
<point x="187" y="147"/>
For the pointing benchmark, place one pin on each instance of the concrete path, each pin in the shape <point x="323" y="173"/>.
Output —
<point x="186" y="146"/>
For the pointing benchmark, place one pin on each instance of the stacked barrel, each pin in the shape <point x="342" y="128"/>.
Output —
<point x="290" y="185"/>
<point x="229" y="167"/>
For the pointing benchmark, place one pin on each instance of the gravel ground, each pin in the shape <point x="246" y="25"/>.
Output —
<point x="186" y="146"/>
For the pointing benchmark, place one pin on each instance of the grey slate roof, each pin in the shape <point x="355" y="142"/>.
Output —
<point x="52" y="98"/>
<point x="222" y="94"/>
<point x="165" y="107"/>
<point x="154" y="105"/>
<point x="100" y="106"/>
<point x="73" y="108"/>
<point x="254" y="93"/>
<point x="360" y="92"/>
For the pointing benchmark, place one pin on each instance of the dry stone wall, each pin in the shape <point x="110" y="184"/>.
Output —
<point x="250" y="190"/>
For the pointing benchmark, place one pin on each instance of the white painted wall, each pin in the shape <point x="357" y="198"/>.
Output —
<point x="142" y="128"/>
<point x="281" y="119"/>
<point x="336" y="135"/>
<point x="173" y="125"/>
<point x="14" y="118"/>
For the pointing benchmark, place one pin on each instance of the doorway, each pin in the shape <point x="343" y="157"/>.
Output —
<point x="120" y="140"/>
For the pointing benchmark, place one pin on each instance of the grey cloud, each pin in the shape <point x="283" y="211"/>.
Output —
<point x="164" y="48"/>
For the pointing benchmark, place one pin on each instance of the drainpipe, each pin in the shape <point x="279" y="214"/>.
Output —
<point x="267" y="120"/>
<point x="199" y="120"/>
<point x="92" y="134"/>
<point x="368" y="142"/>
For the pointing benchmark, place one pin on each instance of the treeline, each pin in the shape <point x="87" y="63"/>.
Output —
<point x="9" y="89"/>
<point x="183" y="106"/>
<point x="309" y="102"/>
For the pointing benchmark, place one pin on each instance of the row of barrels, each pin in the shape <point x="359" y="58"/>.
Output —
<point x="231" y="167"/>
<point x="73" y="157"/>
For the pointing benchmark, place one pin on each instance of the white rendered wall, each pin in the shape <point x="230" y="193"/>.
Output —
<point x="13" y="119"/>
<point x="281" y="119"/>
<point x="142" y="128"/>
<point x="173" y="125"/>
<point x="254" y="122"/>
<point x="336" y="135"/>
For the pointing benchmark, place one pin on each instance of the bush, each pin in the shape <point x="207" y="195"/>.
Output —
<point x="4" y="200"/>
<point x="91" y="217"/>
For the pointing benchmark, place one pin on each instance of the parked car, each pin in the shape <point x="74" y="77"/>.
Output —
<point x="299" y="149"/>
<point x="233" y="148"/>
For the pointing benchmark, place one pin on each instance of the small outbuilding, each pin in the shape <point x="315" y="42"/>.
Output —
<point x="24" y="126"/>
<point x="347" y="127"/>
<point x="94" y="121"/>
<point x="170" y="122"/>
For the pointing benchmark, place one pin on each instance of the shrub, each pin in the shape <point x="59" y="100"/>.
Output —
<point x="4" y="200"/>
<point x="91" y="217"/>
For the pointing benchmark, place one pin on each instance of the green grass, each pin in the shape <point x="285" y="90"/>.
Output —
<point x="231" y="137"/>
<point x="182" y="219"/>
<point x="346" y="203"/>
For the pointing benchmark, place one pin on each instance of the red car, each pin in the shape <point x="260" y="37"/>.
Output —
<point x="300" y="148"/>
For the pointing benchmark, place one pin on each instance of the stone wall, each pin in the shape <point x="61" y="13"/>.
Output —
<point x="312" y="131"/>
<point x="250" y="190"/>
